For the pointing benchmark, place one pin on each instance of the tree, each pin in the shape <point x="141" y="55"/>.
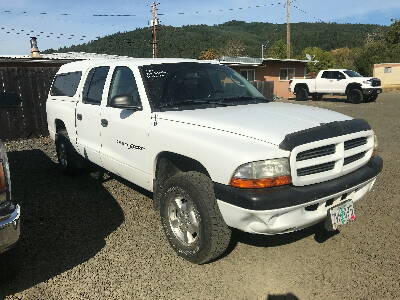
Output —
<point x="278" y="50"/>
<point x="392" y="36"/>
<point x="234" y="48"/>
<point x="210" y="54"/>
<point x="343" y="58"/>
<point x="324" y="58"/>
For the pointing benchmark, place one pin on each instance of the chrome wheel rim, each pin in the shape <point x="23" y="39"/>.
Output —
<point x="62" y="155"/>
<point x="184" y="220"/>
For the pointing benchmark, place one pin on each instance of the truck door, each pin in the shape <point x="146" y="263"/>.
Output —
<point x="125" y="127"/>
<point x="339" y="82"/>
<point x="88" y="115"/>
<point x="325" y="83"/>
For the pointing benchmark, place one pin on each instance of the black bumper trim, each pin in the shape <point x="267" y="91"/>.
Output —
<point x="289" y="195"/>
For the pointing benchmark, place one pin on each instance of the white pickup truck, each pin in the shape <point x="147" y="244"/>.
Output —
<point x="357" y="88"/>
<point x="215" y="153"/>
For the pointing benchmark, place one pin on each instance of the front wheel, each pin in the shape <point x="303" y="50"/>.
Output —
<point x="191" y="218"/>
<point x="371" y="98"/>
<point x="355" y="96"/>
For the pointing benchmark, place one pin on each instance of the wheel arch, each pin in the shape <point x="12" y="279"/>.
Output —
<point x="353" y="85"/>
<point x="168" y="164"/>
<point x="301" y="85"/>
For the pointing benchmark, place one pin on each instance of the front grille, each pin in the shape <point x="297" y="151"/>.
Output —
<point x="317" y="152"/>
<point x="316" y="169"/>
<point x="355" y="143"/>
<point x="376" y="82"/>
<point x="327" y="159"/>
<point x="353" y="158"/>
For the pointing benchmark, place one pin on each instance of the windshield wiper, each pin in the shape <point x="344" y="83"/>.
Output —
<point x="190" y="102"/>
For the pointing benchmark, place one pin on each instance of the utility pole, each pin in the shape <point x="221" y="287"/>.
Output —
<point x="288" y="3"/>
<point x="154" y="23"/>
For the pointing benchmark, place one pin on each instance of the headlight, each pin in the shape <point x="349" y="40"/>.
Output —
<point x="367" y="82"/>
<point x="262" y="174"/>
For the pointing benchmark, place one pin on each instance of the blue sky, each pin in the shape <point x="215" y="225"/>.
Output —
<point x="23" y="16"/>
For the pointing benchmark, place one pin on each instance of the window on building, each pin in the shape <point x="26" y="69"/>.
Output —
<point x="388" y="70"/>
<point x="249" y="74"/>
<point x="66" y="84"/>
<point x="94" y="85"/>
<point x="287" y="73"/>
<point x="124" y="84"/>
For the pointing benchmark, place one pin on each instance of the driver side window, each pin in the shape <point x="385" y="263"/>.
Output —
<point x="123" y="84"/>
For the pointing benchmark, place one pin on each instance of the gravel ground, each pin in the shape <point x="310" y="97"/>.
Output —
<point x="85" y="239"/>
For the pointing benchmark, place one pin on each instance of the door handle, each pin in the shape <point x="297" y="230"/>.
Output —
<point x="104" y="122"/>
<point x="79" y="117"/>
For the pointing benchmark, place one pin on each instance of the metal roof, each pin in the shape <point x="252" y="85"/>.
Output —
<point x="257" y="61"/>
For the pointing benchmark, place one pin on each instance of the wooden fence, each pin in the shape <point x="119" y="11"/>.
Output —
<point x="266" y="88"/>
<point x="31" y="85"/>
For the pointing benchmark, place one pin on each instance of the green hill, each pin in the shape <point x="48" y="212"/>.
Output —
<point x="189" y="41"/>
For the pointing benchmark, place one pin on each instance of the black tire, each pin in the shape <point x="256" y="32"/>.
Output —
<point x="370" y="98"/>
<point x="301" y="94"/>
<point x="355" y="96"/>
<point x="68" y="159"/>
<point x="317" y="97"/>
<point x="195" y="192"/>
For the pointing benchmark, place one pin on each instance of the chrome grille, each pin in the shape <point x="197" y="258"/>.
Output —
<point x="355" y="143"/>
<point x="317" y="152"/>
<point x="316" y="169"/>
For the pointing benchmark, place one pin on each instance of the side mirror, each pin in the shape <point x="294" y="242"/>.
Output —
<point x="125" y="102"/>
<point x="9" y="100"/>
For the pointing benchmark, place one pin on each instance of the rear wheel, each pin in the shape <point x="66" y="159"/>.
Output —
<point x="191" y="218"/>
<point x="355" y="96"/>
<point x="301" y="94"/>
<point x="69" y="161"/>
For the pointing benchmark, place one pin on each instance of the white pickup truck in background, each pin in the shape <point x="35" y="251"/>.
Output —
<point x="357" y="88"/>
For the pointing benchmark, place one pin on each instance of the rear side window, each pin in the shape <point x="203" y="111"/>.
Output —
<point x="327" y="75"/>
<point x="66" y="84"/>
<point x="94" y="85"/>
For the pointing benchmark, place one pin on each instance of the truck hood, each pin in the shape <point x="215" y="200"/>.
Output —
<point x="268" y="122"/>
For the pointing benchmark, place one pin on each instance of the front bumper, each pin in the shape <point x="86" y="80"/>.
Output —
<point x="10" y="229"/>
<point x="370" y="91"/>
<point x="290" y="208"/>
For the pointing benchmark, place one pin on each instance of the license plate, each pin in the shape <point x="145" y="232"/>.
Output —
<point x="340" y="215"/>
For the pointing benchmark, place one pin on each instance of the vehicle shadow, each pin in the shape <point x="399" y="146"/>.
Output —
<point x="258" y="240"/>
<point x="64" y="222"/>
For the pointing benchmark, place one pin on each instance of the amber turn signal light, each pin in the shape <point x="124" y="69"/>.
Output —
<point x="3" y="184"/>
<point x="260" y="183"/>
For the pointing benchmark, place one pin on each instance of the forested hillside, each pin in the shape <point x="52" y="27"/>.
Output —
<point x="190" y="41"/>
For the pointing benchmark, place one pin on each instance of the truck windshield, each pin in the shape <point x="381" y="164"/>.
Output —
<point x="352" y="73"/>
<point x="191" y="85"/>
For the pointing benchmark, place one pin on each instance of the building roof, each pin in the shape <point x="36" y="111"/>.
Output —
<point x="251" y="61"/>
<point x="386" y="64"/>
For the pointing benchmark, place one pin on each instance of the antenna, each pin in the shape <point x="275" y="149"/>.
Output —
<point x="154" y="23"/>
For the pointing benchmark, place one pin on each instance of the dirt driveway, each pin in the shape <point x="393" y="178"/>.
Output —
<point x="83" y="239"/>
